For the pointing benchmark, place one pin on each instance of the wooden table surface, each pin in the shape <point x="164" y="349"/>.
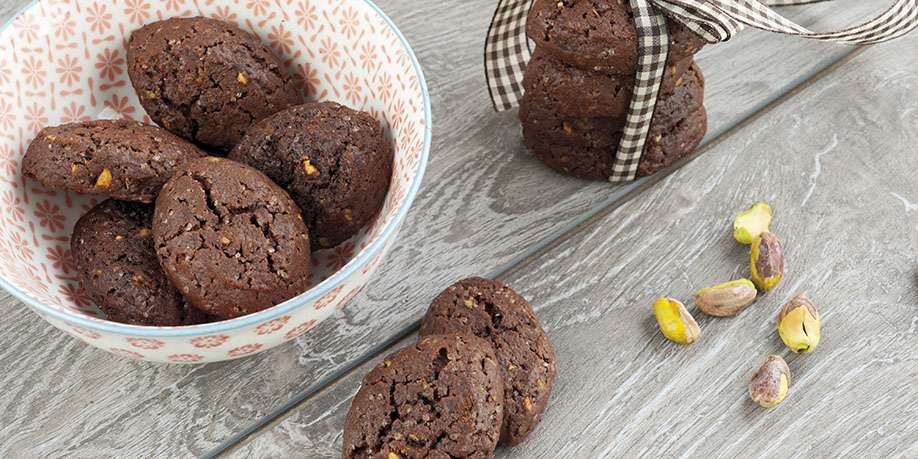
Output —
<point x="828" y="134"/>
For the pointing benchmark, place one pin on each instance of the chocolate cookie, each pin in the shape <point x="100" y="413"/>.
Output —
<point x="544" y="127"/>
<point x="206" y="80"/>
<point x="441" y="397"/>
<point x="493" y="311"/>
<point x="599" y="34"/>
<point x="663" y="148"/>
<point x="123" y="159"/>
<point x="230" y="240"/>
<point x="335" y="162"/>
<point x="565" y="90"/>
<point x="112" y="247"/>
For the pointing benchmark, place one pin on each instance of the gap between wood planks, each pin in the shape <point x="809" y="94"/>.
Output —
<point x="529" y="256"/>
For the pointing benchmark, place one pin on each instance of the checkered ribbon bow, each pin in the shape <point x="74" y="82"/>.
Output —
<point x="507" y="50"/>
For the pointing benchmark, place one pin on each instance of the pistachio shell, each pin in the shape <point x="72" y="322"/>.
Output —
<point x="727" y="299"/>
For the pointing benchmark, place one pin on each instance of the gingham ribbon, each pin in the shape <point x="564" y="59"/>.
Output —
<point x="507" y="50"/>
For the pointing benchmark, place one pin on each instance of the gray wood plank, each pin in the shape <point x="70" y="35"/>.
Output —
<point x="484" y="205"/>
<point x="837" y="162"/>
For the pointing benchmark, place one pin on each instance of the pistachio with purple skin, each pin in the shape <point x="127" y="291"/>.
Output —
<point x="769" y="384"/>
<point x="766" y="260"/>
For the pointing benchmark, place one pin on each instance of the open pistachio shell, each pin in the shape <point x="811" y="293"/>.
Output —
<point x="727" y="299"/>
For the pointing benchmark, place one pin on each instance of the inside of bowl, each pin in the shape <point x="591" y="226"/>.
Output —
<point x="64" y="61"/>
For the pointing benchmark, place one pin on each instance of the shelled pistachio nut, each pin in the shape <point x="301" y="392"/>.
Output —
<point x="798" y="324"/>
<point x="769" y="384"/>
<point x="750" y="223"/>
<point x="676" y="323"/>
<point x="727" y="299"/>
<point x="766" y="261"/>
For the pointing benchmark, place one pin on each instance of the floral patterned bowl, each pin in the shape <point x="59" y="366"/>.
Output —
<point x="64" y="60"/>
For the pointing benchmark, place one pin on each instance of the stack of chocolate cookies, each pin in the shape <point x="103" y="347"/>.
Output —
<point x="579" y="84"/>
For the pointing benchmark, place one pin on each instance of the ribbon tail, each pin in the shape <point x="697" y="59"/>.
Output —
<point x="702" y="18"/>
<point x="899" y="19"/>
<point x="507" y="53"/>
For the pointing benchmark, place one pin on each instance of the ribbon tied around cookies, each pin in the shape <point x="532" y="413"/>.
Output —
<point x="507" y="50"/>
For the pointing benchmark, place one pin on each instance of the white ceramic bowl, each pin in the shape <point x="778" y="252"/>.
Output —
<point x="64" y="60"/>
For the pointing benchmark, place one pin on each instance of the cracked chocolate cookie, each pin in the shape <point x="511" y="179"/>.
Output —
<point x="599" y="34"/>
<point x="493" y="311"/>
<point x="122" y="159"/>
<point x="541" y="126"/>
<point x="112" y="247"/>
<point x="335" y="162"/>
<point x="207" y="80"/>
<point x="565" y="90"/>
<point x="440" y="397"/>
<point x="231" y="240"/>
<point x="663" y="147"/>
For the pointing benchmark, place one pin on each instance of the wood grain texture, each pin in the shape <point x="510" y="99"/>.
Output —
<point x="837" y="162"/>
<point x="484" y="205"/>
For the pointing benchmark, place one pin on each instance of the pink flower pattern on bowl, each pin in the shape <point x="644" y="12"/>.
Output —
<point x="146" y="343"/>
<point x="272" y="326"/>
<point x="300" y="329"/>
<point x="63" y="61"/>
<point x="244" y="350"/>
<point x="209" y="341"/>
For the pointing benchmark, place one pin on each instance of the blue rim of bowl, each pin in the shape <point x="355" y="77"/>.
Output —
<point x="291" y="304"/>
